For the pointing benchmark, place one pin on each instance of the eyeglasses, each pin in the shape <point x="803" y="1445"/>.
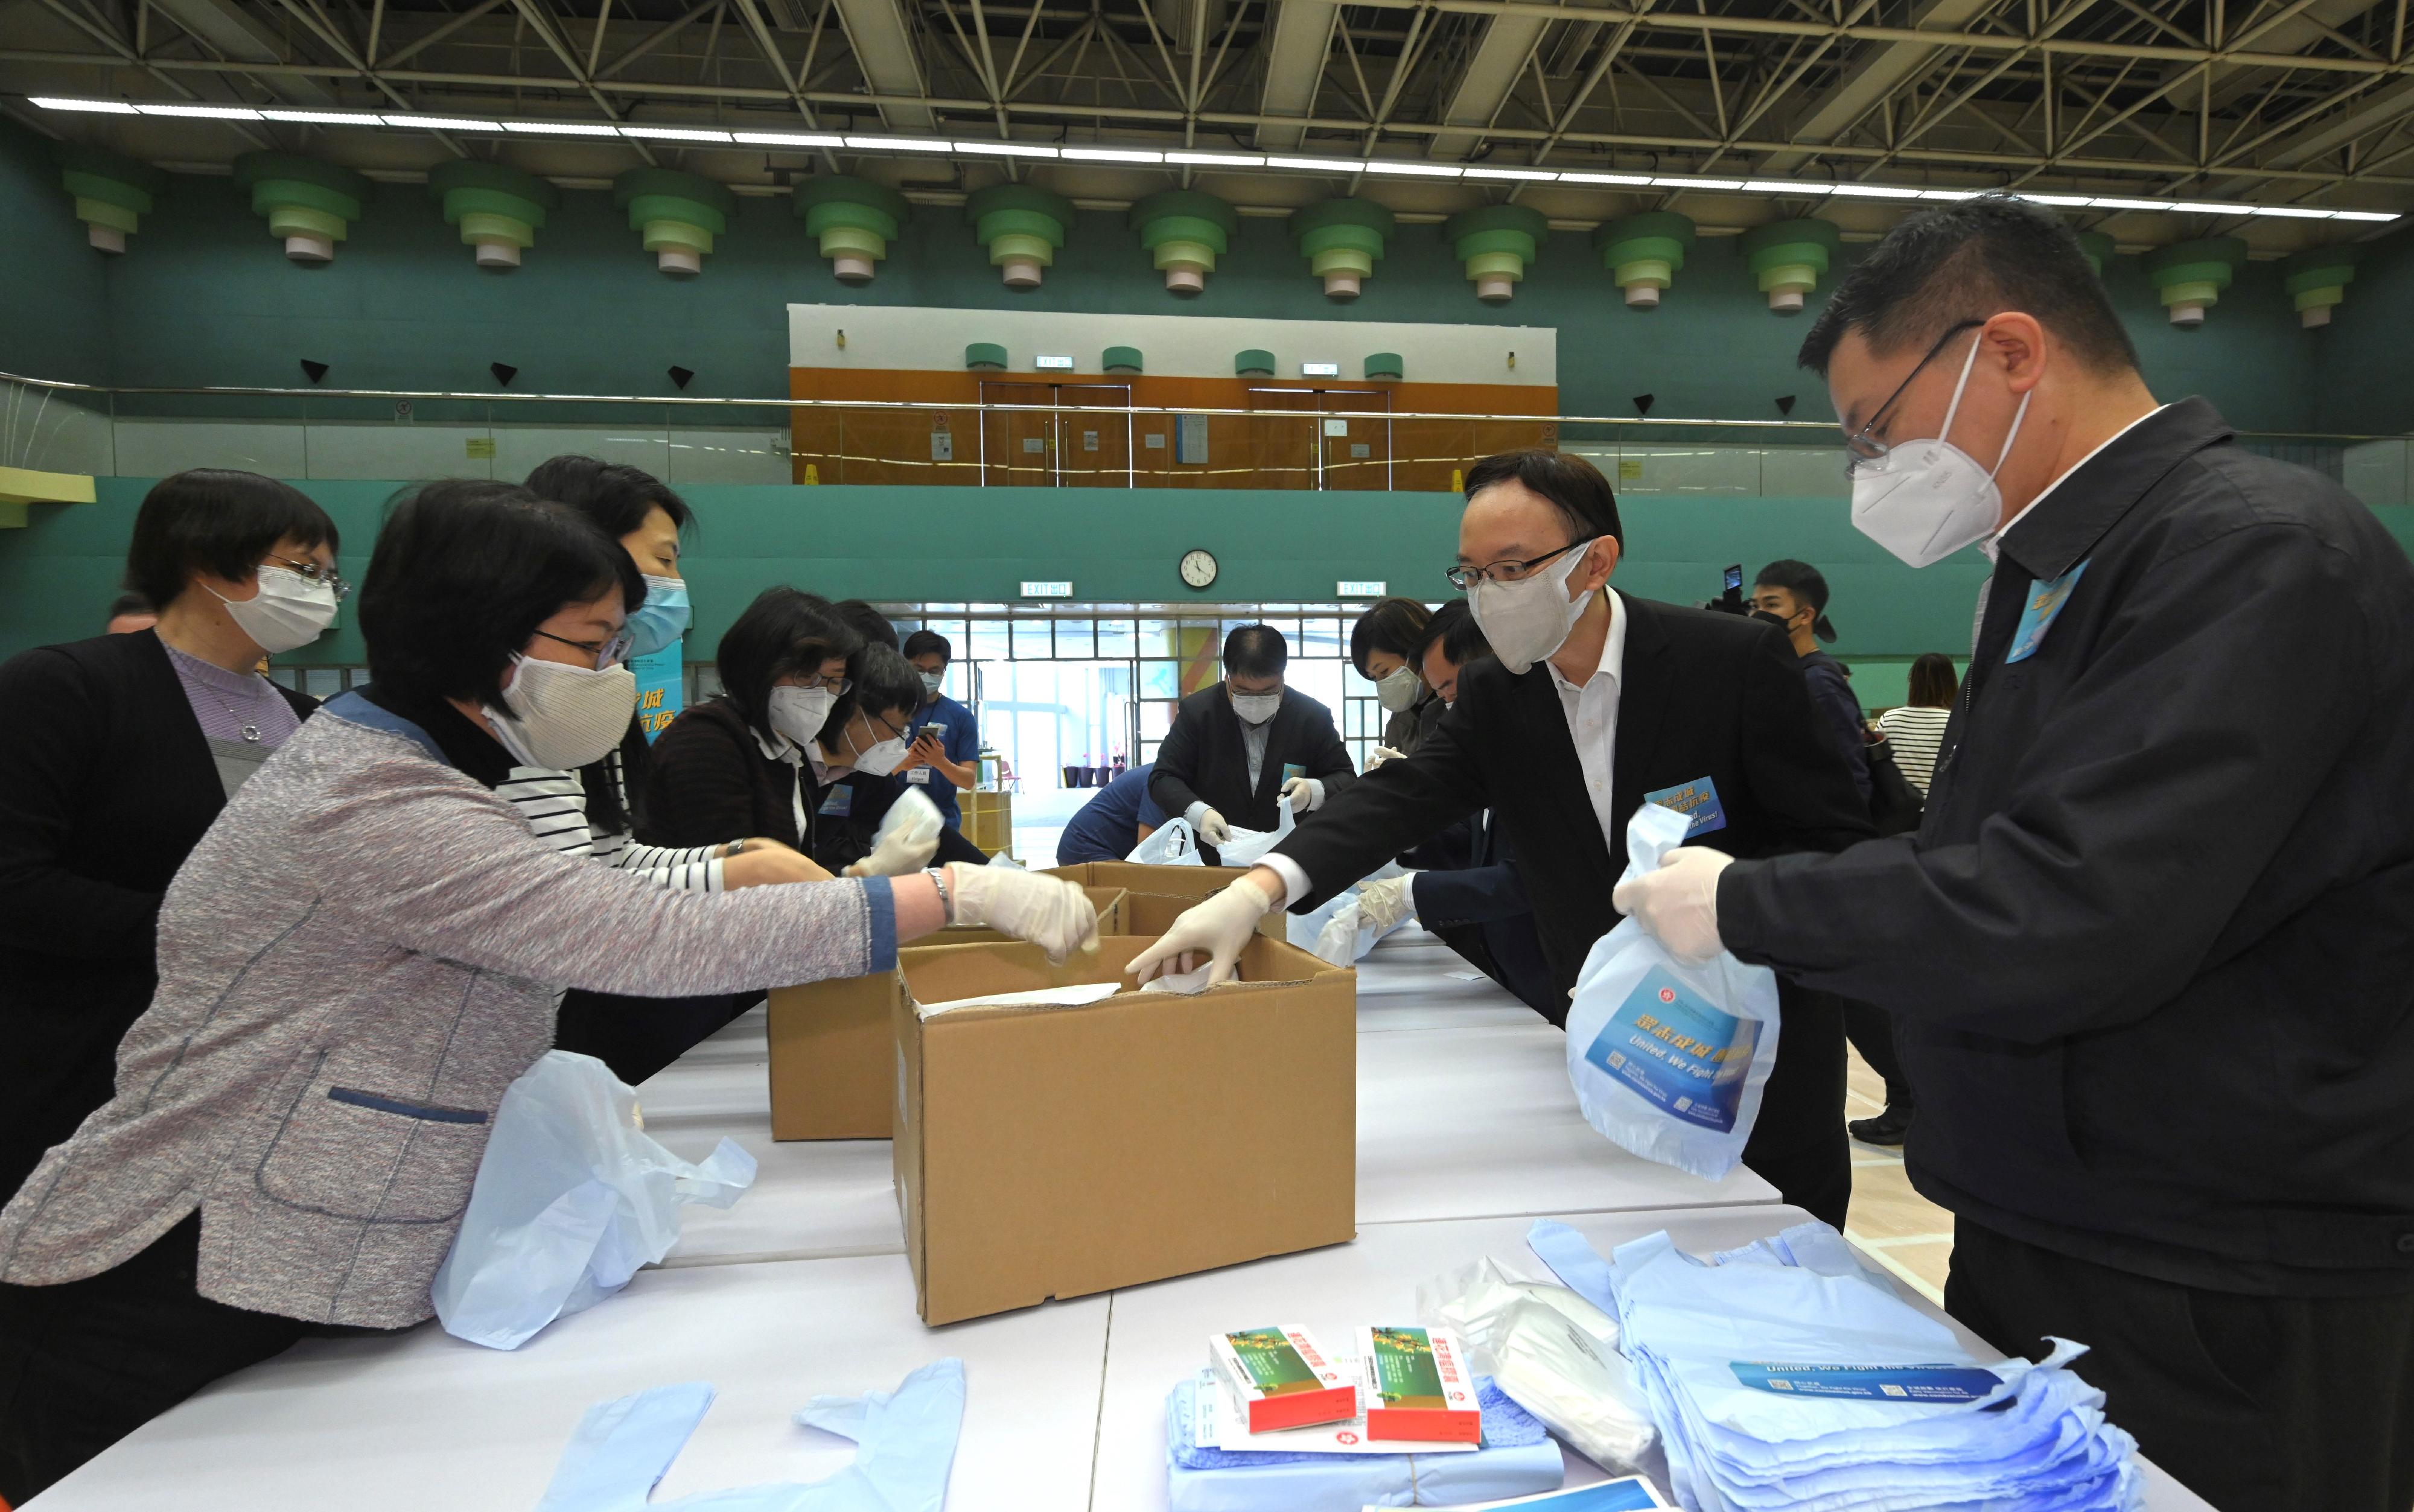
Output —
<point x="607" y="653"/>
<point x="1863" y="452"/>
<point x="313" y="573"/>
<point x="878" y="723"/>
<point x="1464" y="578"/>
<point x="837" y="687"/>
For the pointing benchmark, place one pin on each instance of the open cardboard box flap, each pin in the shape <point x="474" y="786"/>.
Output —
<point x="1060" y="1151"/>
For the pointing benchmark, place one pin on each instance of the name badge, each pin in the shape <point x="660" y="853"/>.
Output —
<point x="838" y="803"/>
<point x="2044" y="603"/>
<point x="1697" y="800"/>
<point x="1292" y="769"/>
<point x="919" y="775"/>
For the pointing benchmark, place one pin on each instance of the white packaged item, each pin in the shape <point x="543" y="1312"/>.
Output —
<point x="1247" y="846"/>
<point x="1555" y="1354"/>
<point x="1669" y="1058"/>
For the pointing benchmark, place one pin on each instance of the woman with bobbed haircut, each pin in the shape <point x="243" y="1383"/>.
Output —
<point x="1384" y="645"/>
<point x="733" y="765"/>
<point x="866" y="737"/>
<point x="358" y="959"/>
<point x="122" y="749"/>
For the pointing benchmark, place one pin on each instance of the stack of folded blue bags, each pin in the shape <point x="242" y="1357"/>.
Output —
<point x="1786" y="1374"/>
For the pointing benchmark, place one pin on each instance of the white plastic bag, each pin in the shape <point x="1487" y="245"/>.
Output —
<point x="1247" y="845"/>
<point x="1170" y="844"/>
<point x="572" y="1198"/>
<point x="1555" y="1354"/>
<point x="914" y="815"/>
<point x="1668" y="1059"/>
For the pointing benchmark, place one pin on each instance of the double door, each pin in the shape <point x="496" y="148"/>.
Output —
<point x="1063" y="448"/>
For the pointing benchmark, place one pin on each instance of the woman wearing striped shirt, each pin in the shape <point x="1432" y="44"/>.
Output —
<point x="592" y="811"/>
<point x="1917" y="730"/>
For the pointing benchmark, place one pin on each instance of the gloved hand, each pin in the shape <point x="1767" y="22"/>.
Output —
<point x="1382" y="754"/>
<point x="1303" y="794"/>
<point x="1385" y="903"/>
<point x="908" y="837"/>
<point x="1049" y="912"/>
<point x="1678" y="904"/>
<point x="1212" y="830"/>
<point x="901" y="852"/>
<point x="1219" y="927"/>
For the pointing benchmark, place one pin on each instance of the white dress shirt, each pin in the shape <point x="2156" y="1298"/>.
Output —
<point x="1591" y="713"/>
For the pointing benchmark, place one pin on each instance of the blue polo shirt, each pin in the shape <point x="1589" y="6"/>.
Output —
<point x="1108" y="826"/>
<point x="962" y="739"/>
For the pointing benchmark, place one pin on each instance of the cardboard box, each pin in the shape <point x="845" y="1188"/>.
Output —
<point x="1279" y="1377"/>
<point x="833" y="1060"/>
<point x="1418" y="1389"/>
<point x="1060" y="1151"/>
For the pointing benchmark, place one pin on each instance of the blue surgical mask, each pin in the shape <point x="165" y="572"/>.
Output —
<point x="662" y="618"/>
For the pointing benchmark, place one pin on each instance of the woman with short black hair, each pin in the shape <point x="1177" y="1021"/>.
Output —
<point x="1383" y="646"/>
<point x="358" y="961"/>
<point x="732" y="764"/>
<point x="122" y="751"/>
<point x="866" y="737"/>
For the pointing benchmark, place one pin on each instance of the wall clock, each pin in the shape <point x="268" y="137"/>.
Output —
<point x="1198" y="567"/>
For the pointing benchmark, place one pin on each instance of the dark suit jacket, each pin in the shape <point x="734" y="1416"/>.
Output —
<point x="1204" y="759"/>
<point x="1468" y="894"/>
<point x="841" y="839"/>
<point x="106" y="785"/>
<point x="1701" y="695"/>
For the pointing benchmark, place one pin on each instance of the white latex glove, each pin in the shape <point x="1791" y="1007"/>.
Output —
<point x="1212" y="830"/>
<point x="1218" y="927"/>
<point x="1049" y="912"/>
<point x="1678" y="904"/>
<point x="1382" y="754"/>
<point x="1385" y="903"/>
<point x="896" y="856"/>
<point x="1303" y="794"/>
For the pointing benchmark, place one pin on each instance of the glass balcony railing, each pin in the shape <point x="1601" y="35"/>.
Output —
<point x="1068" y="436"/>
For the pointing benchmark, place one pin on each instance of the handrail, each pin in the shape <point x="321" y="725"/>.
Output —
<point x="698" y="401"/>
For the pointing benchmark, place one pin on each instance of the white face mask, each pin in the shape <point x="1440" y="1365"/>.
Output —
<point x="933" y="680"/>
<point x="1255" y="708"/>
<point x="1396" y="690"/>
<point x="880" y="758"/>
<point x="1528" y="619"/>
<point x="562" y="717"/>
<point x="1933" y="499"/>
<point x="289" y="612"/>
<point x="799" y="713"/>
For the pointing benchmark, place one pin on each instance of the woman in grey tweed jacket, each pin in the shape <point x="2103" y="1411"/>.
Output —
<point x="358" y="959"/>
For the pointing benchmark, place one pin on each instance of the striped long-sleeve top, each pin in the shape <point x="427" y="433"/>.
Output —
<point x="554" y="803"/>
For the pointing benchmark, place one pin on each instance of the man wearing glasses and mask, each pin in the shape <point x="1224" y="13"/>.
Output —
<point x="2151" y="956"/>
<point x="1596" y="703"/>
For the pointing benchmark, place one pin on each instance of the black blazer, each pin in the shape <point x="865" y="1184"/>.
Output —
<point x="708" y="782"/>
<point x="1701" y="695"/>
<point x="106" y="785"/>
<point x="1204" y="760"/>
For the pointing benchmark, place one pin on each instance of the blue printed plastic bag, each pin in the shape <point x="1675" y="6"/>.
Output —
<point x="572" y="1199"/>
<point x="1669" y="1058"/>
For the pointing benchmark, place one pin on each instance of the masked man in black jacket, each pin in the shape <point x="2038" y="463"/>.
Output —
<point x="2150" y="956"/>
<point x="1595" y="704"/>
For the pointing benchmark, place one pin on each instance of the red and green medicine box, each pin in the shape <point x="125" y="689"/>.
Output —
<point x="1418" y="1389"/>
<point x="1280" y="1378"/>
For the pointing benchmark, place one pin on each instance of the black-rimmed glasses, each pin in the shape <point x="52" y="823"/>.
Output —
<point x="1863" y="450"/>
<point x="607" y="653"/>
<point x="1464" y="577"/>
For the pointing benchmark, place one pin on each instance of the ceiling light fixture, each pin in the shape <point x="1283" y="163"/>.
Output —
<point x="95" y="107"/>
<point x="323" y="117"/>
<point x="1005" y="149"/>
<point x="1111" y="155"/>
<point x="900" y="144"/>
<point x="1406" y="170"/>
<point x="203" y="112"/>
<point x="440" y="122"/>
<point x="654" y="133"/>
<point x="788" y="138"/>
<point x="560" y="128"/>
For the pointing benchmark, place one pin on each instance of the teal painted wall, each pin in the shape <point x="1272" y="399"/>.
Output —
<point x="54" y="317"/>
<point x="206" y="298"/>
<point x="2367" y="352"/>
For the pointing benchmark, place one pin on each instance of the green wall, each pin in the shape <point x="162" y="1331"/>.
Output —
<point x="54" y="317"/>
<point x="2367" y="352"/>
<point x="205" y="297"/>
